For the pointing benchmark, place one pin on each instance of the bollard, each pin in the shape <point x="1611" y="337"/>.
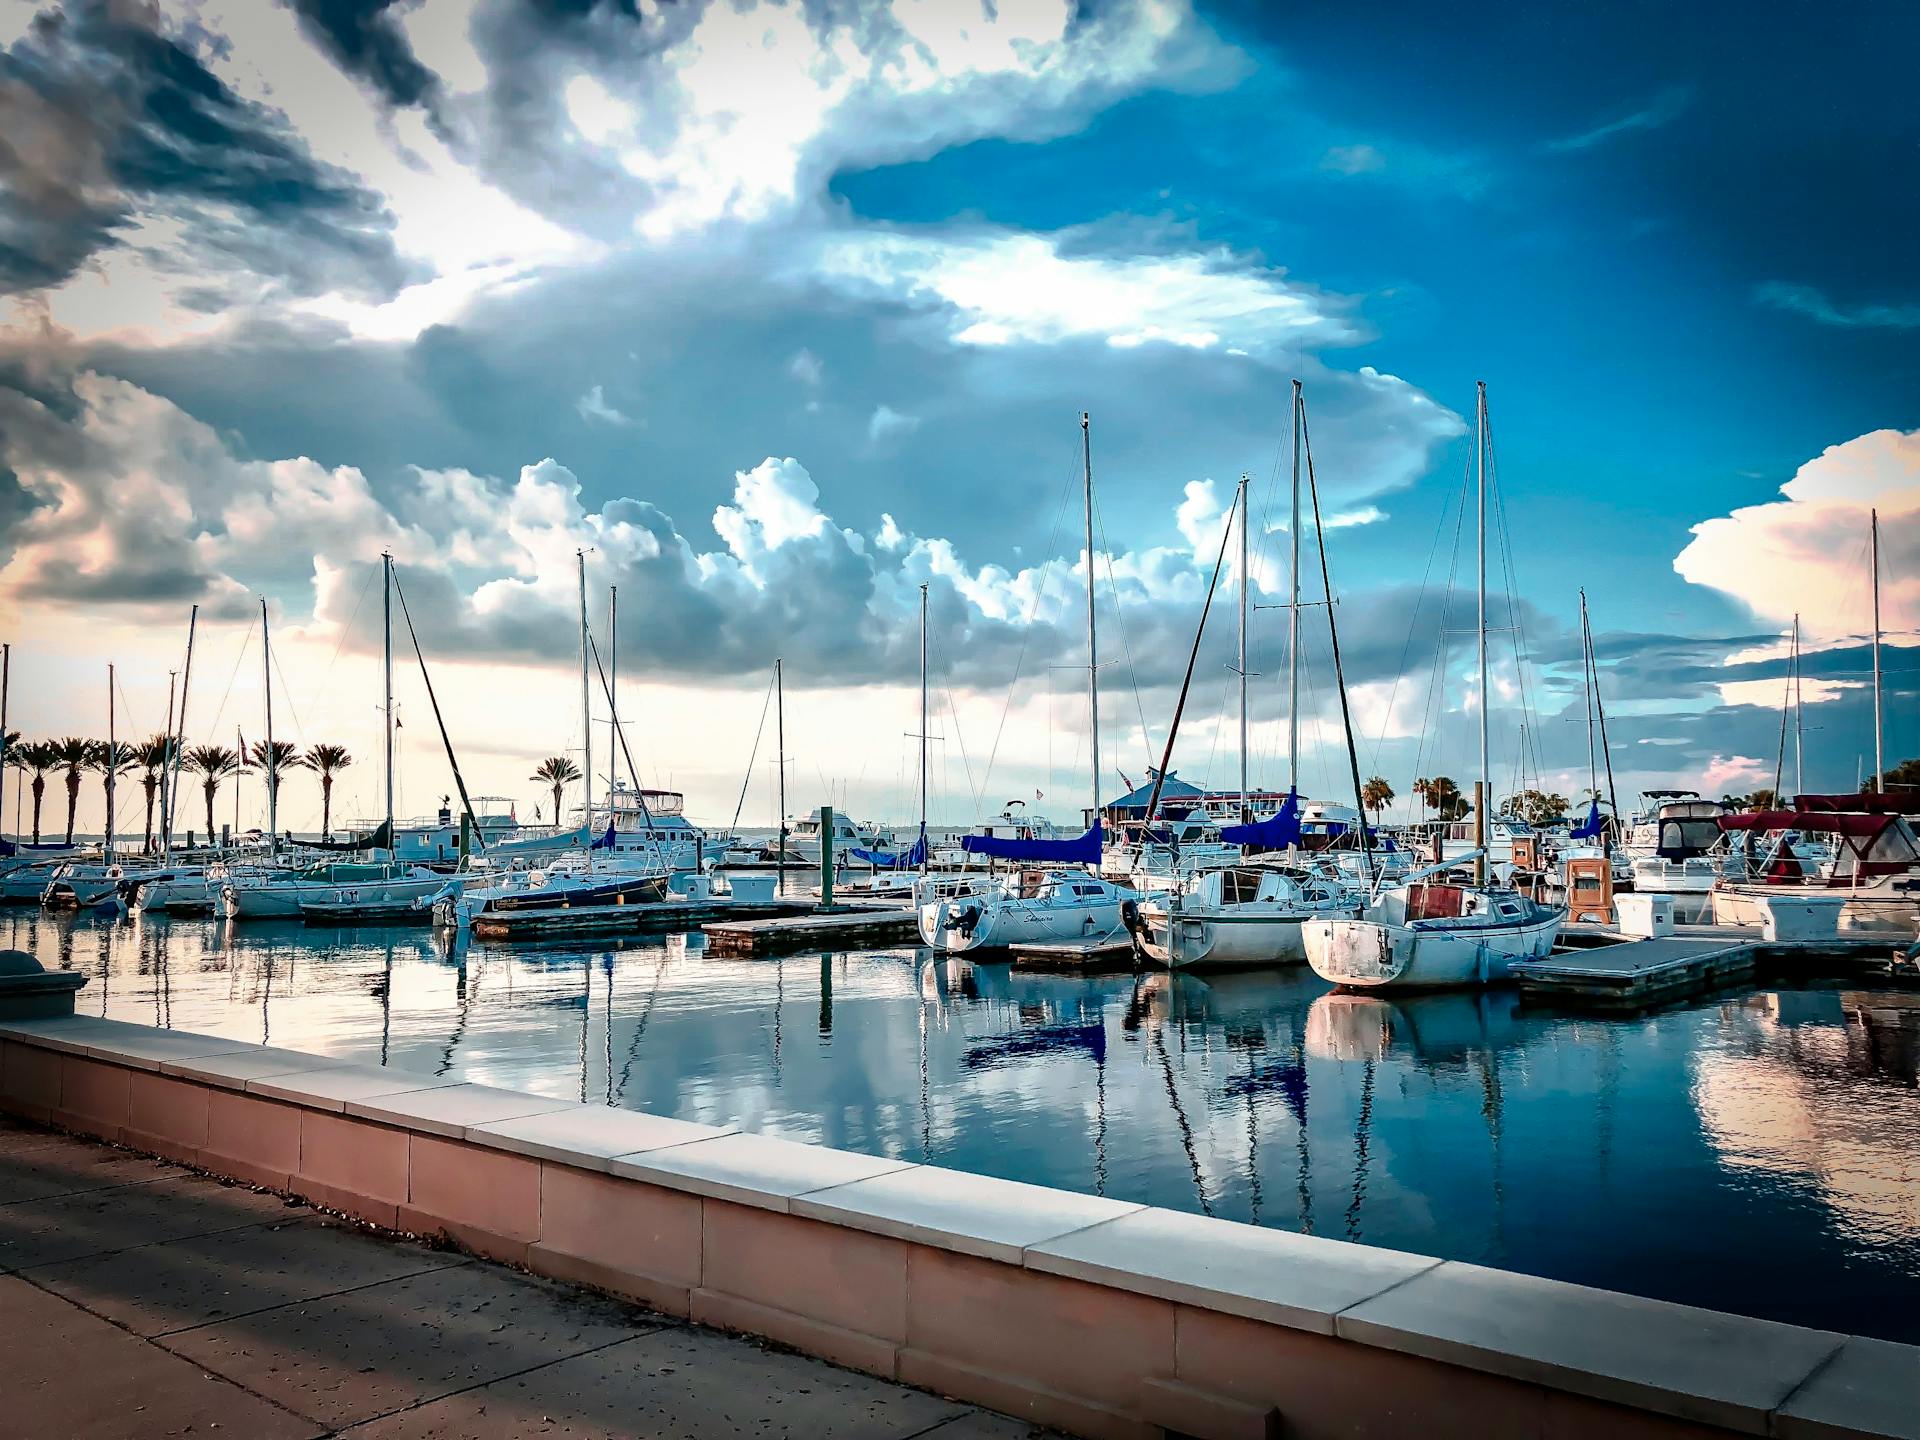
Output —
<point x="826" y="857"/>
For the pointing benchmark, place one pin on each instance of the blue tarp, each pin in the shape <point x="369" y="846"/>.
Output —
<point x="911" y="859"/>
<point x="1082" y="851"/>
<point x="1277" y="832"/>
<point x="605" y="842"/>
<point x="1590" y="828"/>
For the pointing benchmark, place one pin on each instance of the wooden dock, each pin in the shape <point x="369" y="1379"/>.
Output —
<point x="1089" y="957"/>
<point x="843" y="927"/>
<point x="663" y="917"/>
<point x="1602" y="969"/>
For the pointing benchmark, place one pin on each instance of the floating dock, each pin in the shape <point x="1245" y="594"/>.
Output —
<point x="1603" y="969"/>
<point x="663" y="917"/>
<point x="1083" y="957"/>
<point x="842" y="927"/>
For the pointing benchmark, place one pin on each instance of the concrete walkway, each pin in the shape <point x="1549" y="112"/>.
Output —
<point x="141" y="1300"/>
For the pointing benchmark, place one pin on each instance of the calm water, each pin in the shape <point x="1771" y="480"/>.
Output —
<point x="1757" y="1154"/>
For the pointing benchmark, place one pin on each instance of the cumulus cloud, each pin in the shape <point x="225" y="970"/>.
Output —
<point x="593" y="406"/>
<point x="887" y="423"/>
<point x="1805" y="553"/>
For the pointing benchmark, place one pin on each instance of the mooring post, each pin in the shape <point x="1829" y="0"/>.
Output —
<point x="826" y="857"/>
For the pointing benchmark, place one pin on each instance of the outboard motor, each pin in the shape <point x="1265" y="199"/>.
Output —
<point x="963" y="920"/>
<point x="1135" y="927"/>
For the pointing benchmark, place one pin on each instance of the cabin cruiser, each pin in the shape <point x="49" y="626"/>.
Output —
<point x="1677" y="848"/>
<point x="1875" y="875"/>
<point x="279" y="895"/>
<point x="1428" y="933"/>
<point x="1245" y="914"/>
<point x="1459" y="838"/>
<point x="1166" y="852"/>
<point x="807" y="837"/>
<point x="969" y="913"/>
<point x="436" y="841"/>
<point x="1014" y="822"/>
<point x="654" y="822"/>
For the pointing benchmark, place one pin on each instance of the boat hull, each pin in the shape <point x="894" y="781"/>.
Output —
<point x="1378" y="955"/>
<point x="1183" y="941"/>
<point x="284" y="902"/>
<point x="968" y="924"/>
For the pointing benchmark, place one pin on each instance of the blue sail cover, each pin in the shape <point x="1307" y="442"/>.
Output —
<point x="1082" y="851"/>
<point x="605" y="842"/>
<point x="911" y="859"/>
<point x="1589" y="828"/>
<point x="1278" y="831"/>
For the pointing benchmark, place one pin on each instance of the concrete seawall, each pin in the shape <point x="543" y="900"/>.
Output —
<point x="1095" y="1316"/>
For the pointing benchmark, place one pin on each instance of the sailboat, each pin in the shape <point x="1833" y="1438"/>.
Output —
<point x="282" y="894"/>
<point x="1426" y="932"/>
<point x="896" y="873"/>
<point x="1034" y="906"/>
<point x="1251" y="912"/>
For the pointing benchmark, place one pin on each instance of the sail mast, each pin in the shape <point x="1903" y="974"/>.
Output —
<point x="1799" y="757"/>
<point x="1246" y="810"/>
<point x="1586" y="667"/>
<point x="6" y="675"/>
<point x="1293" y="611"/>
<point x="780" y="733"/>
<point x="1879" y="754"/>
<point x="1485" y="782"/>
<point x="613" y="695"/>
<point x="586" y="717"/>
<point x="1093" y="644"/>
<point x="113" y="758"/>
<point x="177" y="740"/>
<point x="273" y="759"/>
<point x="923" y="727"/>
<point x="386" y="672"/>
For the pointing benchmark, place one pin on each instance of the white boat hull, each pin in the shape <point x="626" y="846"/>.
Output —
<point x="997" y="922"/>
<point x="283" y="901"/>
<point x="1183" y="941"/>
<point x="1378" y="955"/>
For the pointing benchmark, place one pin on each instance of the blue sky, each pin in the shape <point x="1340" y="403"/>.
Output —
<point x="784" y="310"/>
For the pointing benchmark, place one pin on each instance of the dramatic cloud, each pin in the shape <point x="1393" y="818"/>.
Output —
<point x="108" y="117"/>
<point x="1806" y="553"/>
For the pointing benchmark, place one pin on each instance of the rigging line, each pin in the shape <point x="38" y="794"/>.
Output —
<point x="286" y="692"/>
<point x="746" y="780"/>
<point x="1120" y="616"/>
<point x="1173" y="730"/>
<point x="1431" y="717"/>
<point x="347" y="629"/>
<point x="1522" y="652"/>
<point x="1020" y="661"/>
<point x="459" y="781"/>
<point x="245" y="641"/>
<point x="1419" y="603"/>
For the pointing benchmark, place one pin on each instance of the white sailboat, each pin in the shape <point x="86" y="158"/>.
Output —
<point x="1424" y="933"/>
<point x="1033" y="906"/>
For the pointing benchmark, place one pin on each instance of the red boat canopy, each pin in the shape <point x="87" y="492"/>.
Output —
<point x="1869" y="845"/>
<point x="1813" y="822"/>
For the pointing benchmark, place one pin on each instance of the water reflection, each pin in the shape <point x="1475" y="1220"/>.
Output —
<point x="1659" y="1155"/>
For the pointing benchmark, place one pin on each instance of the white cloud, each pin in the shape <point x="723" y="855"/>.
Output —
<point x="886" y="424"/>
<point x="1805" y="553"/>
<point x="805" y="367"/>
<point x="1353" y="160"/>
<point x="999" y="287"/>
<point x="593" y="406"/>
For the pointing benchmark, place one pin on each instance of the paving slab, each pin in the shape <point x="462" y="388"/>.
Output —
<point x="205" y="1279"/>
<point x="1871" y="1387"/>
<point x="452" y="1109"/>
<point x="69" y="1227"/>
<point x="234" y="1068"/>
<point x="332" y="1087"/>
<point x="41" y="1167"/>
<point x="674" y="1383"/>
<point x="1696" y="1364"/>
<point x="588" y="1136"/>
<point x="354" y="1356"/>
<point x="973" y="1214"/>
<point x="72" y="1374"/>
<point x="145" y="1048"/>
<point x="1271" y="1275"/>
<point x="753" y="1169"/>
<point x="61" y="1032"/>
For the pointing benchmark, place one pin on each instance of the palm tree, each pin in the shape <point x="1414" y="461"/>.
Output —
<point x="1423" y="792"/>
<point x="559" y="772"/>
<point x="213" y="763"/>
<point x="1376" y="795"/>
<point x="151" y="756"/>
<point x="112" y="764"/>
<point x="327" y="761"/>
<point x="75" y="756"/>
<point x="276" y="759"/>
<point x="35" y="758"/>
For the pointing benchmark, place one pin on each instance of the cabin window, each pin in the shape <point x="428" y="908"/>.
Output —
<point x="1506" y="909"/>
<point x="1238" y="887"/>
<point x="1086" y="889"/>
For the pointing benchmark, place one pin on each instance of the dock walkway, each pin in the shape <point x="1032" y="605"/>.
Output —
<point x="149" y="1300"/>
<point x="842" y="927"/>
<point x="1602" y="968"/>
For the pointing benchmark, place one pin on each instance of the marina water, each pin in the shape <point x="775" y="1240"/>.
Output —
<point x="1758" y="1152"/>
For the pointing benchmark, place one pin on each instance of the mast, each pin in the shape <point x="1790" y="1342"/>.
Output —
<point x="1484" y="783"/>
<point x="386" y="631"/>
<point x="113" y="758"/>
<point x="586" y="716"/>
<point x="1293" y="609"/>
<point x="1586" y="667"/>
<point x="1879" y="753"/>
<point x="780" y="733"/>
<point x="1246" y="812"/>
<point x="273" y="760"/>
<point x="179" y="744"/>
<point x="166" y="756"/>
<point x="613" y="691"/>
<point x="6" y="674"/>
<point x="1799" y="757"/>
<point x="1093" y="642"/>
<point x="923" y="728"/>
